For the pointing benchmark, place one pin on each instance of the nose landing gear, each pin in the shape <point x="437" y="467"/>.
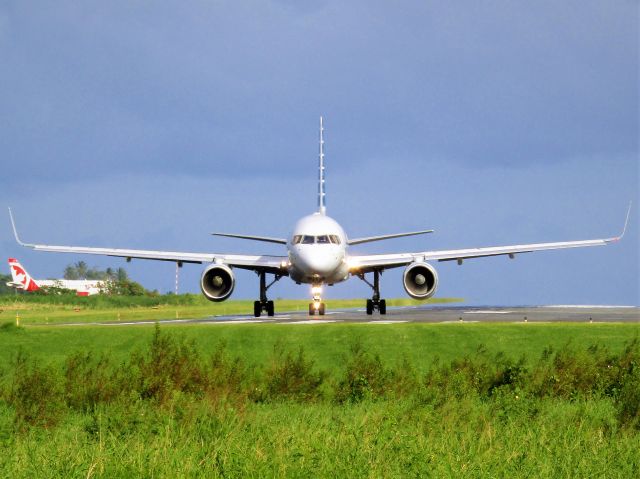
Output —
<point x="264" y="305"/>
<point x="375" y="303"/>
<point x="317" y="307"/>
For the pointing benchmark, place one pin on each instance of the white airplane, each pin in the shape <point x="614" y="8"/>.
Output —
<point x="317" y="254"/>
<point x="23" y="280"/>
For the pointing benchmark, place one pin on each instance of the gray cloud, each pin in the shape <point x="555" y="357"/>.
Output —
<point x="223" y="88"/>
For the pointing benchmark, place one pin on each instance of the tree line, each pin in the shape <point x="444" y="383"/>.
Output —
<point x="81" y="270"/>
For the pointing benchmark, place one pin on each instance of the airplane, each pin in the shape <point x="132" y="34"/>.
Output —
<point x="317" y="254"/>
<point x="23" y="280"/>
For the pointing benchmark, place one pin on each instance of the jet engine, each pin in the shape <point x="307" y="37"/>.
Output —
<point x="217" y="282"/>
<point x="420" y="280"/>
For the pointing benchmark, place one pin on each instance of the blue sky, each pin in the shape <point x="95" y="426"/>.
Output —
<point x="139" y="124"/>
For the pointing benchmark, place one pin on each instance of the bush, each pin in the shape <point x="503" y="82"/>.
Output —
<point x="171" y="364"/>
<point x="36" y="394"/>
<point x="292" y="377"/>
<point x="365" y="377"/>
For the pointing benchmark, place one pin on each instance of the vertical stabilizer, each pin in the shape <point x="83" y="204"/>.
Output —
<point x="21" y="278"/>
<point x="321" y="193"/>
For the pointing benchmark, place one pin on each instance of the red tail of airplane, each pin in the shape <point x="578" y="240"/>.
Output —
<point x="21" y="279"/>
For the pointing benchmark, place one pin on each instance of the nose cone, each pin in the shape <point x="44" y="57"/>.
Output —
<point x="314" y="263"/>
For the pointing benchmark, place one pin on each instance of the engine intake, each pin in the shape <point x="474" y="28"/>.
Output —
<point x="217" y="282"/>
<point x="420" y="280"/>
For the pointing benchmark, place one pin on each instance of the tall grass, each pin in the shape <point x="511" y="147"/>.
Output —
<point x="169" y="410"/>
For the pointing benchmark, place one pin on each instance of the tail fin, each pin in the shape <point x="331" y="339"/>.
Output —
<point x="321" y="193"/>
<point x="21" y="279"/>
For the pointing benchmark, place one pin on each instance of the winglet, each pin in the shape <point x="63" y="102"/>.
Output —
<point x="626" y="222"/>
<point x="15" y="232"/>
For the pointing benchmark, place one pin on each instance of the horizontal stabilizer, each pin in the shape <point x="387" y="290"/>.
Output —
<point x="253" y="238"/>
<point x="386" y="237"/>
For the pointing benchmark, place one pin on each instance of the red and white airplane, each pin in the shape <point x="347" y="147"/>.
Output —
<point x="23" y="280"/>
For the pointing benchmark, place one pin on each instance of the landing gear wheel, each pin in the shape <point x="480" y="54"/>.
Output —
<point x="321" y="310"/>
<point x="270" y="308"/>
<point x="382" y="306"/>
<point x="312" y="310"/>
<point x="369" y="307"/>
<point x="257" y="309"/>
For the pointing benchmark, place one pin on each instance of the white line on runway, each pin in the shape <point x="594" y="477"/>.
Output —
<point x="387" y="322"/>
<point x="242" y="321"/>
<point x="457" y="322"/>
<point x="314" y="321"/>
<point x="585" y="306"/>
<point x="488" y="311"/>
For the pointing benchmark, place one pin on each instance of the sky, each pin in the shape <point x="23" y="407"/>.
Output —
<point x="152" y="124"/>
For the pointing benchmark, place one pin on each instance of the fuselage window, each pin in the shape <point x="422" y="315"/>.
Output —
<point x="324" y="239"/>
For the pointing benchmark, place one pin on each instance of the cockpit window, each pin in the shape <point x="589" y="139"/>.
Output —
<point x="322" y="239"/>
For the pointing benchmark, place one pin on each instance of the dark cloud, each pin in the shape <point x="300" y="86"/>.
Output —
<point x="226" y="88"/>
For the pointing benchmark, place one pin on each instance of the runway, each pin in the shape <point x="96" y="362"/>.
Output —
<point x="456" y="314"/>
<point x="424" y="314"/>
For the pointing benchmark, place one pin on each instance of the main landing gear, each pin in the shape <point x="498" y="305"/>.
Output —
<point x="264" y="305"/>
<point x="317" y="307"/>
<point x="375" y="303"/>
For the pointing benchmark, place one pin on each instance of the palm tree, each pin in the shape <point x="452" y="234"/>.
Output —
<point x="82" y="268"/>
<point x="122" y="274"/>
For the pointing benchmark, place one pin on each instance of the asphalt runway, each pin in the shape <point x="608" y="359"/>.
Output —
<point x="428" y="314"/>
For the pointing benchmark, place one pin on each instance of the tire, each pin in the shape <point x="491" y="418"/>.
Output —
<point x="369" y="307"/>
<point x="257" y="309"/>
<point x="270" y="308"/>
<point x="383" y="306"/>
<point x="322" y="309"/>
<point x="312" y="311"/>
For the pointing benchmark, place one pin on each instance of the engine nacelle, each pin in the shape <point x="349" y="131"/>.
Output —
<point x="217" y="282"/>
<point x="420" y="280"/>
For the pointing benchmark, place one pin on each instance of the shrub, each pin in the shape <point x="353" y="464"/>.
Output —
<point x="292" y="376"/>
<point x="172" y="364"/>
<point x="36" y="394"/>
<point x="365" y="377"/>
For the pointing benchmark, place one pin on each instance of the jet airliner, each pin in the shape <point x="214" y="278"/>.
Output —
<point x="317" y="254"/>
<point x="22" y="280"/>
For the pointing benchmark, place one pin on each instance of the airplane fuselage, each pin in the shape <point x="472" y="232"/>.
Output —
<point x="317" y="251"/>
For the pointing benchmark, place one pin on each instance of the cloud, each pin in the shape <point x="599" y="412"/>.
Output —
<point x="226" y="88"/>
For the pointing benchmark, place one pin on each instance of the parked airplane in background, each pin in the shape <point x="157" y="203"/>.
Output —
<point x="317" y="254"/>
<point x="22" y="280"/>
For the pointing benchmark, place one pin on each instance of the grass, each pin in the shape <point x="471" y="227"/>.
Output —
<point x="329" y="400"/>
<point x="39" y="309"/>
<point x="327" y="343"/>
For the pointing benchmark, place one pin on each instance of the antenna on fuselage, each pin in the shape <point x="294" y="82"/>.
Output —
<point x="321" y="193"/>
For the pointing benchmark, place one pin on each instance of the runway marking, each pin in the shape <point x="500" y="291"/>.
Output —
<point x="585" y="306"/>
<point x="241" y="321"/>
<point x="314" y="321"/>
<point x="456" y="322"/>
<point x="388" y="322"/>
<point x="488" y="311"/>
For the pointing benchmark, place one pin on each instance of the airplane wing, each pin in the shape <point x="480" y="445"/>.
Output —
<point x="275" y="264"/>
<point x="386" y="237"/>
<point x="367" y="263"/>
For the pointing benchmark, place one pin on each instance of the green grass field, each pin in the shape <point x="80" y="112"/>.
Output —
<point x="324" y="400"/>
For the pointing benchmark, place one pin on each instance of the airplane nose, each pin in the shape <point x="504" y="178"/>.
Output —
<point x="320" y="264"/>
